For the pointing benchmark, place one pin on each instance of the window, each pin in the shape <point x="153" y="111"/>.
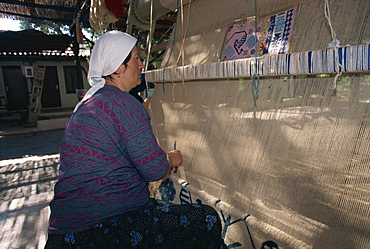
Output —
<point x="70" y="77"/>
<point x="28" y="71"/>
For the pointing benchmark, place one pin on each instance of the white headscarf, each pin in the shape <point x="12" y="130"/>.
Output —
<point x="108" y="54"/>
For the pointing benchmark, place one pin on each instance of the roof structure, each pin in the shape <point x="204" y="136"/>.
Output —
<point x="66" y="12"/>
<point x="28" y="41"/>
<point x="50" y="11"/>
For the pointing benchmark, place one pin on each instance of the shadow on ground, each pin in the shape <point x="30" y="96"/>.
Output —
<point x="30" y="144"/>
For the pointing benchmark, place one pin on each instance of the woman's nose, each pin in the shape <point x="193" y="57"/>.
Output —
<point x="141" y="65"/>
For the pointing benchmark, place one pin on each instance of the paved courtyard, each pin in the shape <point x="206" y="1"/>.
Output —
<point x="28" y="172"/>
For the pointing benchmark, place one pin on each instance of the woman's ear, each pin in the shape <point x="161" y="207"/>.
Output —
<point x="121" y="69"/>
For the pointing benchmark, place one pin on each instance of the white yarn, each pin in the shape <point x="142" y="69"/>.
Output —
<point x="250" y="220"/>
<point x="355" y="58"/>
<point x="338" y="66"/>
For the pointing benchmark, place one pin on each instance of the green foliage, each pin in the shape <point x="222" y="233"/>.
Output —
<point x="90" y="37"/>
<point x="157" y="56"/>
<point x="56" y="29"/>
<point x="47" y="28"/>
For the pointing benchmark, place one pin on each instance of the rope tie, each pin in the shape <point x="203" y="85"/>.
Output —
<point x="338" y="65"/>
<point x="255" y="84"/>
<point x="255" y="76"/>
<point x="149" y="42"/>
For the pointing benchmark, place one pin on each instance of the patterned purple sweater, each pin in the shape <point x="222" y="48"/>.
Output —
<point x="108" y="156"/>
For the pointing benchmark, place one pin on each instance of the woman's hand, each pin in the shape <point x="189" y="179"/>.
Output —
<point x="146" y="103"/>
<point x="174" y="158"/>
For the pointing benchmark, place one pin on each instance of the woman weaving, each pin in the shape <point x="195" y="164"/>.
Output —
<point x="108" y="156"/>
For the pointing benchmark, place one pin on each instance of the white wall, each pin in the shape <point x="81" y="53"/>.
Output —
<point x="67" y="100"/>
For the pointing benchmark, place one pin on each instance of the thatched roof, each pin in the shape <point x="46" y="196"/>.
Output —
<point x="28" y="41"/>
<point x="66" y="11"/>
<point x="44" y="11"/>
<point x="62" y="12"/>
<point x="58" y="11"/>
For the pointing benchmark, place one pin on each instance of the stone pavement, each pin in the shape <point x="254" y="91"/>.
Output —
<point x="28" y="172"/>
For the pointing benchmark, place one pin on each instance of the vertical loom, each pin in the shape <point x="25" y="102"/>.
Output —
<point x="292" y="167"/>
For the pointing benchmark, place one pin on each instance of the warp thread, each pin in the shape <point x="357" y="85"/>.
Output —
<point x="354" y="59"/>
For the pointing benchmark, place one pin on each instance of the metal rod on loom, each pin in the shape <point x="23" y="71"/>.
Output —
<point x="355" y="58"/>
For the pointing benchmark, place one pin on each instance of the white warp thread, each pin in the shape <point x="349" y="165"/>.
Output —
<point x="352" y="58"/>
<point x="252" y="222"/>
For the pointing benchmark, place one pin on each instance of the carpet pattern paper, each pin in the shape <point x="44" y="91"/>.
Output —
<point x="270" y="35"/>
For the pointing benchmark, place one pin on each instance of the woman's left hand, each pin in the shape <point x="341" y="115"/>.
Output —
<point x="146" y="103"/>
<point x="174" y="158"/>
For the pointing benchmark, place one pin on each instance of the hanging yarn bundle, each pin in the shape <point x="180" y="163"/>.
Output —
<point x="100" y="16"/>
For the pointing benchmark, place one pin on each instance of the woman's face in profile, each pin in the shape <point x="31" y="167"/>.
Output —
<point x="132" y="71"/>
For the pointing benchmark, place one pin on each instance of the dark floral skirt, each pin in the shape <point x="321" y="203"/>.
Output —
<point x="157" y="226"/>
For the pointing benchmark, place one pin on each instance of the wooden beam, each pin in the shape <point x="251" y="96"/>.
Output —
<point x="164" y="22"/>
<point x="64" y="21"/>
<point x="41" y="6"/>
<point x="159" y="46"/>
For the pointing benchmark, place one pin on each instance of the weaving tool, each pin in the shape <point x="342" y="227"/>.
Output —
<point x="175" y="167"/>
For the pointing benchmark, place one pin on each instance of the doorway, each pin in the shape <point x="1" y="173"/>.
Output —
<point x="50" y="91"/>
<point x="17" y="92"/>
